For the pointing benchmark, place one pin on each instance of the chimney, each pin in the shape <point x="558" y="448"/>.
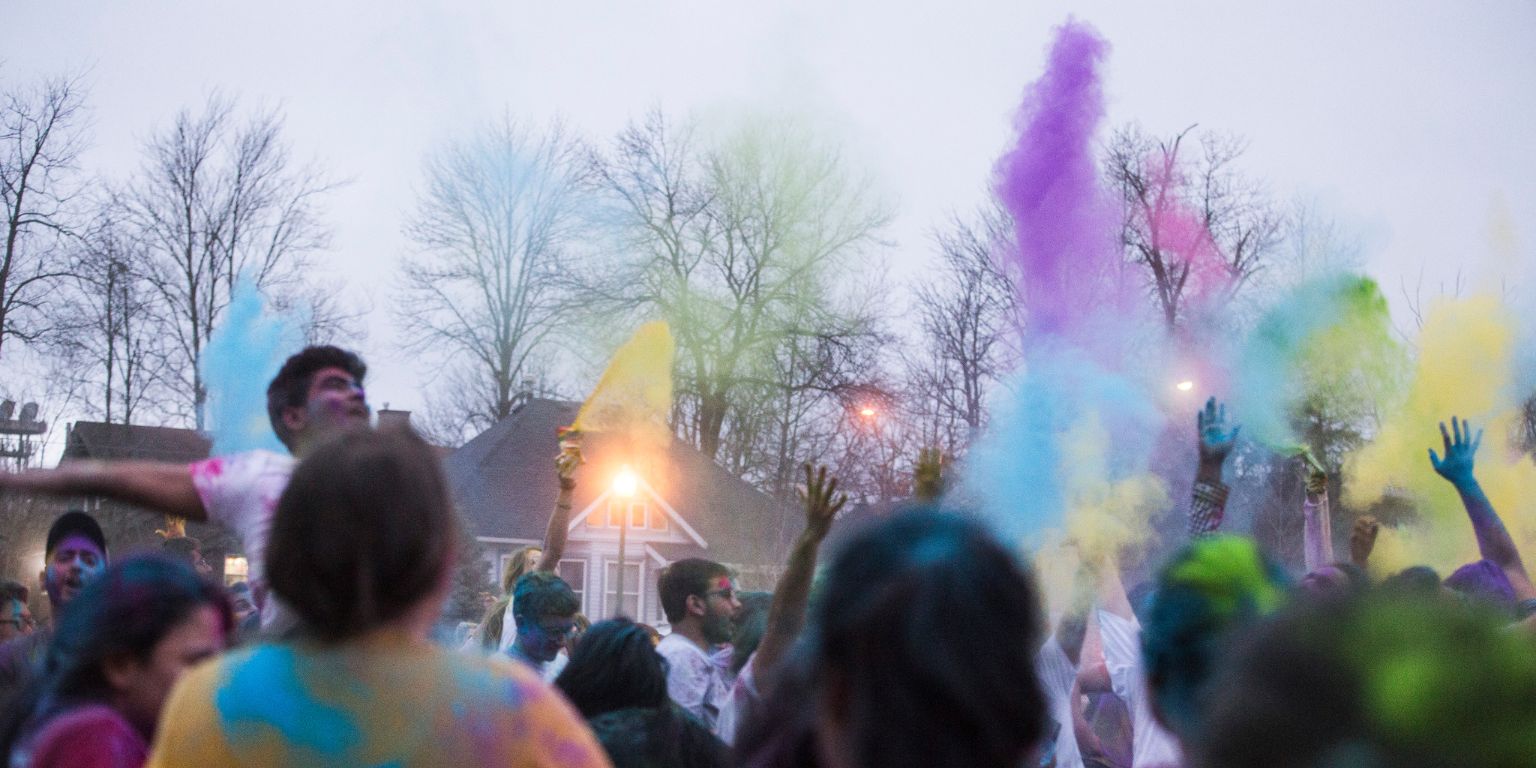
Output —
<point x="390" y="419"/>
<point x="523" y="395"/>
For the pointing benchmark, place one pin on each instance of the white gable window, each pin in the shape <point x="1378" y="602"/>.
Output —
<point x="647" y="517"/>
<point x="641" y="516"/>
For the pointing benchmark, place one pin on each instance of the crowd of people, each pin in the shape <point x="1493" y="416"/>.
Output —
<point x="921" y="640"/>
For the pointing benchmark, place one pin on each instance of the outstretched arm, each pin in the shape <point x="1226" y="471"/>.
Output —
<point x="1088" y="743"/>
<point x="786" y="614"/>
<point x="560" y="520"/>
<point x="1362" y="540"/>
<point x="1112" y="595"/>
<point x="928" y="476"/>
<point x="1317" y="530"/>
<point x="1208" y="504"/>
<point x="158" y="486"/>
<point x="1092" y="667"/>
<point x="1493" y="539"/>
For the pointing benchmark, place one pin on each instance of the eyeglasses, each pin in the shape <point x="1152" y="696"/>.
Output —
<point x="558" y="632"/>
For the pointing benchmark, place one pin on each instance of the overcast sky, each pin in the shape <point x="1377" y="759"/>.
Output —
<point x="1412" y="122"/>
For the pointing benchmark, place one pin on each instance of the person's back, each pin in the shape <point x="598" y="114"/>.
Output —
<point x="617" y="680"/>
<point x="363" y="547"/>
<point x="392" y="700"/>
<point x="919" y="652"/>
<point x="658" y="737"/>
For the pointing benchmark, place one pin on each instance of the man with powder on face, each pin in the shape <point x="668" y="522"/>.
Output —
<point x="700" y="601"/>
<point x="316" y="395"/>
<point x="75" y="553"/>
<point x="544" y="611"/>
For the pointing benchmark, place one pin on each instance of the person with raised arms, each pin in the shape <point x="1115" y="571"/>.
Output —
<point x="316" y="395"/>
<point x="1500" y="576"/>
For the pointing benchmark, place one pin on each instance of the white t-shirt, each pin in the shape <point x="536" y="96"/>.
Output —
<point x="1151" y="745"/>
<point x="548" y="670"/>
<point x="1057" y="674"/>
<point x="743" y="697"/>
<point x="508" y="629"/>
<point x="240" y="492"/>
<point x="694" y="681"/>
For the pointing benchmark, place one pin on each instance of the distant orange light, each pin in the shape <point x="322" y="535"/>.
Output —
<point x="867" y="412"/>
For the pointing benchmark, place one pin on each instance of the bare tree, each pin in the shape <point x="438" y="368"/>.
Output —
<point x="483" y="296"/>
<point x="1156" y="179"/>
<point x="114" y="336"/>
<point x="968" y="310"/>
<point x="1317" y="244"/>
<point x="328" y="318"/>
<point x="797" y="409"/>
<point x="745" y="247"/>
<point x="219" y="198"/>
<point x="40" y="140"/>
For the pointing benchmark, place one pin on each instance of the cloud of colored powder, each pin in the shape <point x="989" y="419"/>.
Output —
<point x="1328" y="340"/>
<point x="1066" y="454"/>
<point x="245" y="351"/>
<point x="1049" y="182"/>
<point x="1466" y="368"/>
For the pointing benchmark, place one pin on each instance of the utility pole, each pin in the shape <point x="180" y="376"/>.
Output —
<point x="16" y="433"/>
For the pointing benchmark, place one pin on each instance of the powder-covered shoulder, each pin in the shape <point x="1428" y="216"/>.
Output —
<point x="496" y="678"/>
<point x="556" y="733"/>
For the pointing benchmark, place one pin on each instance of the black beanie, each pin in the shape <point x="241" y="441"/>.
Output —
<point x="75" y="523"/>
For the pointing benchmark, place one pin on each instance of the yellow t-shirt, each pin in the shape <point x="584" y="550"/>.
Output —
<point x="387" y="701"/>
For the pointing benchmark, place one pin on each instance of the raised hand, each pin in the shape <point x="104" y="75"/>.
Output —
<point x="928" y="475"/>
<point x="566" y="463"/>
<point x="1362" y="539"/>
<point x="1460" y="447"/>
<point x="1216" y="439"/>
<point x="1317" y="476"/>
<point x="822" y="501"/>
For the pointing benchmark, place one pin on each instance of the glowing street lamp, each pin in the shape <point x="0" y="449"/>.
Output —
<point x="867" y="412"/>
<point x="1184" y="386"/>
<point x="624" y="485"/>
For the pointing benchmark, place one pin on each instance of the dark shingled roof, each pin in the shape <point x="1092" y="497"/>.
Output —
<point x="97" y="440"/>
<point x="504" y="482"/>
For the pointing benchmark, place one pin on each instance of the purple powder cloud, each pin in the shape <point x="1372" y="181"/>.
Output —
<point x="1065" y="224"/>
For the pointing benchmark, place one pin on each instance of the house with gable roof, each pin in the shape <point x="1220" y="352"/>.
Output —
<point x="682" y="505"/>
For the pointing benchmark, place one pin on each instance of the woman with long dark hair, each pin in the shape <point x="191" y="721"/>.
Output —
<point x="919" y="652"/>
<point x="363" y="549"/>
<point x="115" y="654"/>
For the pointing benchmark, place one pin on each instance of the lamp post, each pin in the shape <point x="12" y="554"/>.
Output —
<point x="624" y="485"/>
<point x="873" y="420"/>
